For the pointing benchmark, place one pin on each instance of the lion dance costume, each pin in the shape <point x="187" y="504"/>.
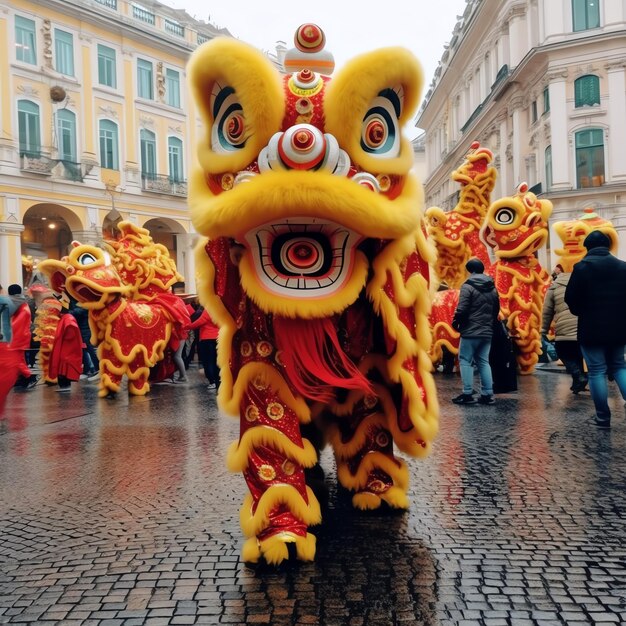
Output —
<point x="324" y="317"/>
<point x="573" y="233"/>
<point x="516" y="227"/>
<point x="132" y="314"/>
<point x="456" y="236"/>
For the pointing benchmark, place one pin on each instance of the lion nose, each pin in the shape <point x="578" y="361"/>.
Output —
<point x="304" y="147"/>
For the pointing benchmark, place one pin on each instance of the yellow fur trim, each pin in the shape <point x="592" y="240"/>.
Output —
<point x="310" y="514"/>
<point x="259" y="90"/>
<point x="274" y="196"/>
<point x="367" y="501"/>
<point x="238" y="453"/>
<point x="299" y="306"/>
<point x="251" y="551"/>
<point x="347" y="449"/>
<point x="274" y="548"/>
<point x="350" y="94"/>
<point x="396" y="468"/>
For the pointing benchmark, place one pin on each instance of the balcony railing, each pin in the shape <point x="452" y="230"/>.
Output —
<point x="174" y="28"/>
<point x="158" y="183"/>
<point x="111" y="4"/>
<point x="139" y="13"/>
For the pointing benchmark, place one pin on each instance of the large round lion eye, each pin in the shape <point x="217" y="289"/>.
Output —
<point x="86" y="258"/>
<point x="380" y="131"/>
<point x="504" y="216"/>
<point x="228" y="130"/>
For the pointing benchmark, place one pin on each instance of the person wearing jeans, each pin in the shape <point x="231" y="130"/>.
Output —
<point x="475" y="316"/>
<point x="596" y="293"/>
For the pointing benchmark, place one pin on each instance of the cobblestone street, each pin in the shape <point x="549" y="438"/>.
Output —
<point x="123" y="512"/>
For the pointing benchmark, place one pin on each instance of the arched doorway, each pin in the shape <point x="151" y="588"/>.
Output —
<point x="168" y="233"/>
<point x="47" y="234"/>
<point x="109" y="224"/>
<point x="48" y="231"/>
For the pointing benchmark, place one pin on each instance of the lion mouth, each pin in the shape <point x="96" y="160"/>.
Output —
<point x="83" y="293"/>
<point x="305" y="255"/>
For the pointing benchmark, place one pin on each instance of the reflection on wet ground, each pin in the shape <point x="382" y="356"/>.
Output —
<point x="122" y="512"/>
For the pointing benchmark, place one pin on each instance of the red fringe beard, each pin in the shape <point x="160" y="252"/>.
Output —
<point x="314" y="361"/>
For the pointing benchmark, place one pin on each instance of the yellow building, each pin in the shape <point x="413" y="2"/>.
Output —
<point x="97" y="125"/>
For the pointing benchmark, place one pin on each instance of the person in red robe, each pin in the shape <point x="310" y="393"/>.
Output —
<point x="21" y="335"/>
<point x="9" y="368"/>
<point x="66" y="358"/>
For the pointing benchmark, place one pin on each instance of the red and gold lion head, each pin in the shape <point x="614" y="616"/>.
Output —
<point x="517" y="226"/>
<point x="303" y="170"/>
<point x="87" y="275"/>
<point x="573" y="233"/>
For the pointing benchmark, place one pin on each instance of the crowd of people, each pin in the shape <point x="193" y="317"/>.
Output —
<point x="73" y="355"/>
<point x="584" y="310"/>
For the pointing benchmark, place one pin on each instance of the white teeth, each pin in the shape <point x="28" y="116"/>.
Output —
<point x="314" y="258"/>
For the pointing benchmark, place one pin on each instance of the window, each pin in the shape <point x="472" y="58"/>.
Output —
<point x="148" y="154"/>
<point x="590" y="158"/>
<point x="586" y="91"/>
<point x="25" y="42"/>
<point x="586" y="14"/>
<point x="64" y="51"/>
<point x="28" y="123"/>
<point x="533" y="111"/>
<point x="175" y="154"/>
<point x="546" y="100"/>
<point x="108" y="145"/>
<point x="107" y="74"/>
<point x="172" y="88"/>
<point x="66" y="132"/>
<point x="144" y="79"/>
<point x="548" y="164"/>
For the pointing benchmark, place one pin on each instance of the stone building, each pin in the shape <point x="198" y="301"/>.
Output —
<point x="542" y="83"/>
<point x="96" y="125"/>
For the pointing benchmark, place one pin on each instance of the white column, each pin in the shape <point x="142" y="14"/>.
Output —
<point x="519" y="173"/>
<point x="185" y="259"/>
<point x="559" y="139"/>
<point x="10" y="253"/>
<point x="617" y="121"/>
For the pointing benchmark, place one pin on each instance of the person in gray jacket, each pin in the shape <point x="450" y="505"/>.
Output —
<point x="565" y="330"/>
<point x="475" y="316"/>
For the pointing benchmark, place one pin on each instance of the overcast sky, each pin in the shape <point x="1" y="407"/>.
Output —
<point x="351" y="27"/>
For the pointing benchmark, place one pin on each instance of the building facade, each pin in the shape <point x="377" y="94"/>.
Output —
<point x="542" y="83"/>
<point x="97" y="126"/>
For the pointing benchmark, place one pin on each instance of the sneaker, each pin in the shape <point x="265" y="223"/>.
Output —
<point x="464" y="398"/>
<point x="32" y="381"/>
<point x="94" y="376"/>
<point x="63" y="389"/>
<point x="181" y="380"/>
<point x="83" y="377"/>
<point x="604" y="423"/>
<point x="486" y="400"/>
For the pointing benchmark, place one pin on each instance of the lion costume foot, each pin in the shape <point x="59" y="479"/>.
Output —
<point x="275" y="549"/>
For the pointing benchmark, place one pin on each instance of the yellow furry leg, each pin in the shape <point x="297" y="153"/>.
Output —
<point x="274" y="549"/>
<point x="395" y="497"/>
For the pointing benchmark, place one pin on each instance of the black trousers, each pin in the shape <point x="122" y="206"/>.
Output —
<point x="207" y="351"/>
<point x="569" y="352"/>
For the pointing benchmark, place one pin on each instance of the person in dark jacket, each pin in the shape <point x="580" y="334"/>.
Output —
<point x="91" y="364"/>
<point x="565" y="330"/>
<point x="475" y="315"/>
<point x="596" y="293"/>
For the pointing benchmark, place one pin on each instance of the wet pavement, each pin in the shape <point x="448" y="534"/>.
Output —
<point x="122" y="512"/>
